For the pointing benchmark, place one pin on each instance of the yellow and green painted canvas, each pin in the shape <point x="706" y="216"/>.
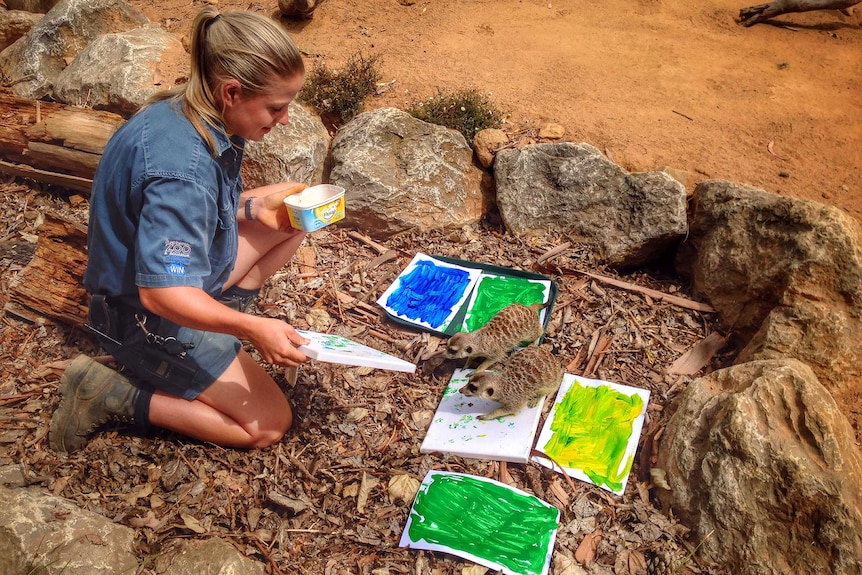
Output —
<point x="593" y="431"/>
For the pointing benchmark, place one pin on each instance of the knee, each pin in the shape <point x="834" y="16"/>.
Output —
<point x="273" y="430"/>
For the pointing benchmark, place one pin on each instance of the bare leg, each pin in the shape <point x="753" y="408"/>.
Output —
<point x="261" y="253"/>
<point x="243" y="408"/>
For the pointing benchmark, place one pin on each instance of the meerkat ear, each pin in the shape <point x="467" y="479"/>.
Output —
<point x="489" y="392"/>
<point x="469" y="349"/>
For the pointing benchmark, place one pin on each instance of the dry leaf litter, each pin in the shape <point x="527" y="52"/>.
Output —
<point x="333" y="497"/>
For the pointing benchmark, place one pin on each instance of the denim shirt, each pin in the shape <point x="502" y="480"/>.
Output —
<point x="163" y="209"/>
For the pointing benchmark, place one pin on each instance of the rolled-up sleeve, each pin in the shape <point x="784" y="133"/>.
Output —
<point x="179" y="221"/>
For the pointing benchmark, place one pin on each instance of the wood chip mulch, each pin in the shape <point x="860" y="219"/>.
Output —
<point x="328" y="498"/>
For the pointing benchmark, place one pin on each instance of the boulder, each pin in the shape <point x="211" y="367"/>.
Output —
<point x="784" y="274"/>
<point x="207" y="557"/>
<point x="14" y="24"/>
<point x="764" y="468"/>
<point x="119" y="71"/>
<point x="401" y="173"/>
<point x="33" y="62"/>
<point x="486" y="143"/>
<point x="35" y="6"/>
<point x="296" y="152"/>
<point x="631" y="219"/>
<point x="45" y="534"/>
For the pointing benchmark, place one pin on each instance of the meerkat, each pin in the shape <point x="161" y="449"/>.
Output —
<point x="509" y="328"/>
<point x="526" y="376"/>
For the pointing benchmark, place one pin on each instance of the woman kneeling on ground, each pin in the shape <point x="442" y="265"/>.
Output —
<point x="178" y="251"/>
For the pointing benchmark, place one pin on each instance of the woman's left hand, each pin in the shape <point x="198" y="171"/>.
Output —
<point x="268" y="205"/>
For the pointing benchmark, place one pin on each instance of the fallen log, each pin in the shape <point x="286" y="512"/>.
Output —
<point x="760" y="12"/>
<point x="50" y="285"/>
<point x="53" y="143"/>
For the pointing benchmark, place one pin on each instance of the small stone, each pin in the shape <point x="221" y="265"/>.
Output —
<point x="486" y="143"/>
<point x="552" y="131"/>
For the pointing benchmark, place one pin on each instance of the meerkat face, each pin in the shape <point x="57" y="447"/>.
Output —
<point x="483" y="385"/>
<point x="457" y="347"/>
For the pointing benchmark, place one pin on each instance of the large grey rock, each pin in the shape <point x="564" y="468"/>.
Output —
<point x="49" y="535"/>
<point x="119" y="71"/>
<point x="33" y="62"/>
<point x="401" y="173"/>
<point x="784" y="274"/>
<point x="764" y="468"/>
<point x="631" y="219"/>
<point x="296" y="152"/>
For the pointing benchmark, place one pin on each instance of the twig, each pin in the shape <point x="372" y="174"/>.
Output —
<point x="676" y="300"/>
<point x="380" y="249"/>
<point x="575" y="363"/>
<point x="337" y="299"/>
<point x="302" y="468"/>
<point x="535" y="452"/>
<point x="683" y="115"/>
<point x="691" y="554"/>
<point x="390" y="440"/>
<point x="18" y="397"/>
<point x="769" y="149"/>
<point x="381" y="336"/>
<point x="553" y="252"/>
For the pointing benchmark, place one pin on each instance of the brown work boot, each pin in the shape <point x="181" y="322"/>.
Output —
<point x="93" y="394"/>
<point x="238" y="298"/>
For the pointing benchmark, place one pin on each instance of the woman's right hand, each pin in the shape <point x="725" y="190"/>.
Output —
<point x="276" y="341"/>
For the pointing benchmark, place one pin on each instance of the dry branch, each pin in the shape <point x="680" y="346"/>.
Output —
<point x="760" y="12"/>
<point x="676" y="300"/>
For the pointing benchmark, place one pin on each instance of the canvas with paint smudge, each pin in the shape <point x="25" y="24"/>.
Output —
<point x="483" y="521"/>
<point x="593" y="431"/>
<point x="456" y="429"/>
<point x="337" y="349"/>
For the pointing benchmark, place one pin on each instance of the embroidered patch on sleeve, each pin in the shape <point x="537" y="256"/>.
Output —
<point x="177" y="256"/>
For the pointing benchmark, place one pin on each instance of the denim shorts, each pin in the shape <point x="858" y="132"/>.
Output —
<point x="207" y="354"/>
<point x="212" y="352"/>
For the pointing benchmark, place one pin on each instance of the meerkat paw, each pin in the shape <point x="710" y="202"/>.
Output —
<point x="535" y="401"/>
<point x="485" y="365"/>
<point x="499" y="412"/>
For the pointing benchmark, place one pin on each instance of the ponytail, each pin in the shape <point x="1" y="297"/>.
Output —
<point x="248" y="47"/>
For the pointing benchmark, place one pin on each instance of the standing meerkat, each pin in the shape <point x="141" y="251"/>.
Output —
<point x="526" y="376"/>
<point x="509" y="328"/>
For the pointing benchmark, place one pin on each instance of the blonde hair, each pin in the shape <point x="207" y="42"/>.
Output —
<point x="248" y="47"/>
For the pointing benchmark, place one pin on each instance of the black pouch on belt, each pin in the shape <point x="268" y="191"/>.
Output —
<point x="123" y="331"/>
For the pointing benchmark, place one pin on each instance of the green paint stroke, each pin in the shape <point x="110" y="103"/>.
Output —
<point x="493" y="293"/>
<point x="488" y="520"/>
<point x="591" y="431"/>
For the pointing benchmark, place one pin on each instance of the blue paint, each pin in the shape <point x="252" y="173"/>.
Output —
<point x="428" y="293"/>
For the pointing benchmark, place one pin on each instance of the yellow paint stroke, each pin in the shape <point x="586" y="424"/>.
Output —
<point x="591" y="431"/>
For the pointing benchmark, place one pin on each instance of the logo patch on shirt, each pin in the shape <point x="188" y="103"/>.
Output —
<point x="177" y="256"/>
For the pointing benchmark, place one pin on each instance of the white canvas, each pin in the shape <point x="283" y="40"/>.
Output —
<point x="455" y="428"/>
<point x="337" y="349"/>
